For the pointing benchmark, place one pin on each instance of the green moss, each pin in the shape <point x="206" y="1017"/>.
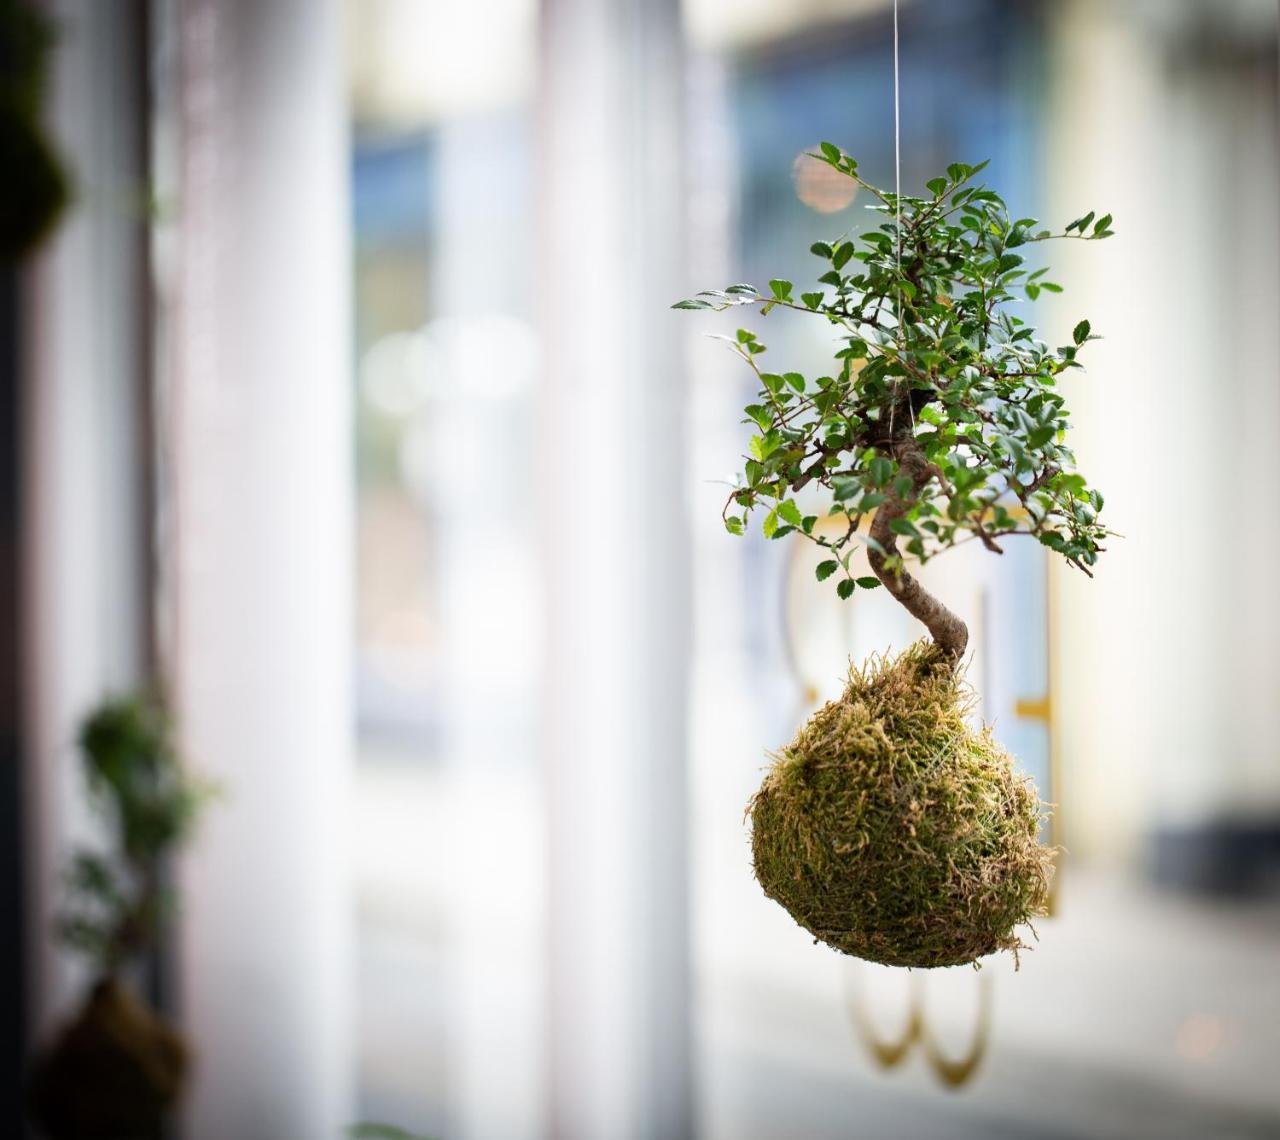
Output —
<point x="892" y="831"/>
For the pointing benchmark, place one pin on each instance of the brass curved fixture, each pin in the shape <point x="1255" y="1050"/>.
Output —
<point x="958" y="1072"/>
<point x="887" y="1054"/>
<point x="951" y="1072"/>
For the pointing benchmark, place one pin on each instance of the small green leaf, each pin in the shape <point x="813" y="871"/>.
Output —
<point x="937" y="186"/>
<point x="843" y="252"/>
<point x="1081" y="332"/>
<point x="771" y="441"/>
<point x="1081" y="224"/>
<point x="824" y="570"/>
<point x="692" y="304"/>
<point x="781" y="289"/>
<point x="770" y="526"/>
<point x="845" y="588"/>
<point x="764" y="446"/>
<point x="733" y="524"/>
<point x="830" y="151"/>
<point x="820" y="248"/>
<point x="790" y="513"/>
<point x="868" y="583"/>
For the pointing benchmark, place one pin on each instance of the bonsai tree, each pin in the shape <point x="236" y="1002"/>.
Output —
<point x="889" y="828"/>
<point x="942" y="420"/>
<point x="116" y="1067"/>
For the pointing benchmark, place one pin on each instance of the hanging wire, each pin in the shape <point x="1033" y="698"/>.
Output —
<point x="897" y="155"/>
<point x="897" y="207"/>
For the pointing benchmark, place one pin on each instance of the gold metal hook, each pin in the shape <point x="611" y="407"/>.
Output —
<point x="887" y="1054"/>
<point x="955" y="1073"/>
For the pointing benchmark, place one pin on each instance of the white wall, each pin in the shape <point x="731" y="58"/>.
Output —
<point x="616" y="553"/>
<point x="1163" y="116"/>
<point x="260" y="440"/>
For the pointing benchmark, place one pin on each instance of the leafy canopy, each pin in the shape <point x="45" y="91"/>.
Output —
<point x="933" y="373"/>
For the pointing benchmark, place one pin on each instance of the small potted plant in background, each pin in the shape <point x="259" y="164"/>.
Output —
<point x="116" y="1068"/>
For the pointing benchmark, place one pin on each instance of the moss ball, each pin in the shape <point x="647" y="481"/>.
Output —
<point x="892" y="831"/>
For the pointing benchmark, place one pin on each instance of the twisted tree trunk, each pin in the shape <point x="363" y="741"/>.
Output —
<point x="949" y="633"/>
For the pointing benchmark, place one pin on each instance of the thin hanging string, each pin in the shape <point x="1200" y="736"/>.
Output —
<point x="897" y="156"/>
<point x="897" y="203"/>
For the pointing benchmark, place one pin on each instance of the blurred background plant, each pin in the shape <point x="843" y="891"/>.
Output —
<point x="116" y="1068"/>
<point x="36" y="185"/>
<point x="118" y="899"/>
<point x="370" y="1131"/>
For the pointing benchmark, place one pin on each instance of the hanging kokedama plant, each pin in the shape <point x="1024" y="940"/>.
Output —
<point x="889" y="828"/>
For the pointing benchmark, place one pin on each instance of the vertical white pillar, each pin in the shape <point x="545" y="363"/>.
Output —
<point x="261" y="452"/>
<point x="84" y="540"/>
<point x="484" y="372"/>
<point x="616" y="568"/>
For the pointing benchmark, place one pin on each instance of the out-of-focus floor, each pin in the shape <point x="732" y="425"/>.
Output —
<point x="1139" y="1014"/>
<point x="1136" y="1016"/>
